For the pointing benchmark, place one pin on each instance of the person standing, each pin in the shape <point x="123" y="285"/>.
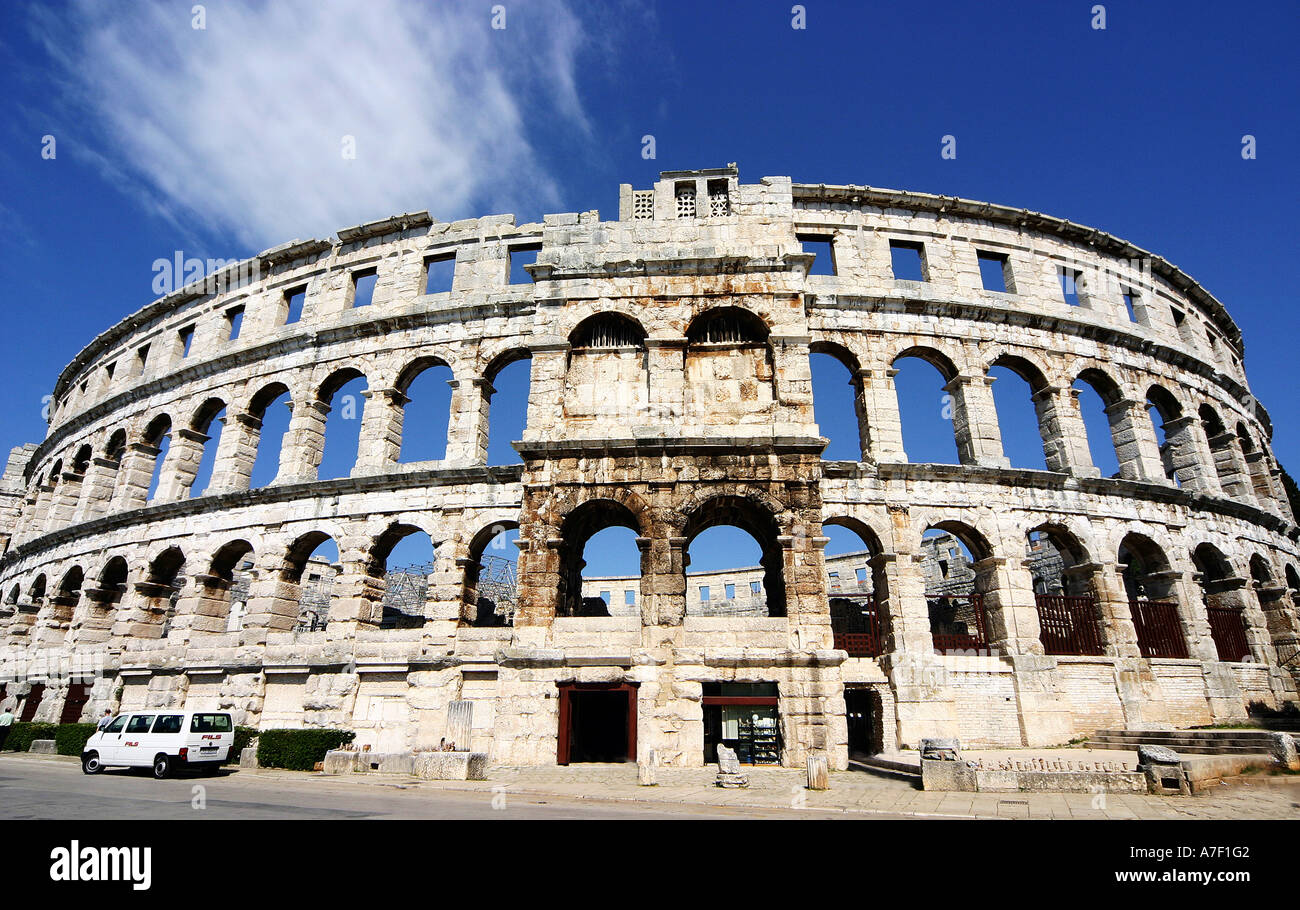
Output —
<point x="6" y="724"/>
<point x="104" y="721"/>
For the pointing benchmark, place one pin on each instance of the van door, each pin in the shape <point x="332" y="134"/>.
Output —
<point x="210" y="736"/>
<point x="167" y="735"/>
<point x="134" y="742"/>
<point x="109" y="745"/>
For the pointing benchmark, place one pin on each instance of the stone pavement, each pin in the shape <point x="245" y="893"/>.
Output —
<point x="853" y="793"/>
<point x="863" y="794"/>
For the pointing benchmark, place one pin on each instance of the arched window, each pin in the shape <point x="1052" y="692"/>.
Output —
<point x="208" y="421"/>
<point x="1223" y="594"/>
<point x="426" y="410"/>
<point x="1068" y="617"/>
<point x="588" y="521"/>
<point x="856" y="588"/>
<point x="732" y="541"/>
<point x="954" y="596"/>
<point x="925" y="407"/>
<point x="729" y="372"/>
<point x="401" y="565"/>
<point x="607" y="374"/>
<point x="1105" y="421"/>
<point x="160" y="590"/>
<point x="344" y="394"/>
<point x="490" y="591"/>
<point x="1019" y="405"/>
<point x="310" y="567"/>
<point x="508" y="387"/>
<point x="271" y="408"/>
<point x="226" y="585"/>
<point x="1149" y="584"/>
<point x="158" y="436"/>
<point x="1164" y="409"/>
<point x="837" y="402"/>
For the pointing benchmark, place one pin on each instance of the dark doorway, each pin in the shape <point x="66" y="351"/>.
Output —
<point x="597" y="723"/>
<point x="865" y="732"/>
<point x="78" y="695"/>
<point x="32" y="702"/>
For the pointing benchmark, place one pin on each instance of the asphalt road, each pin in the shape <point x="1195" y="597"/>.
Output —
<point x="51" y="789"/>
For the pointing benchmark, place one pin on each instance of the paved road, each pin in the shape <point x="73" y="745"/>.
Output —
<point x="53" y="789"/>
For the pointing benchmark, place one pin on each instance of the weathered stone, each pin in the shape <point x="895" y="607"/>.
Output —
<point x="1283" y="749"/>
<point x="819" y="776"/>
<point x="1157" y="755"/>
<point x="43" y="747"/>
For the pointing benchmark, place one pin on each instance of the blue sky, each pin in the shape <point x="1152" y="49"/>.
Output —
<point x="224" y="140"/>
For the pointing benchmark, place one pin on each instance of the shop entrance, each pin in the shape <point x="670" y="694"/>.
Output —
<point x="742" y="716"/>
<point x="597" y="723"/>
<point x="863" y="708"/>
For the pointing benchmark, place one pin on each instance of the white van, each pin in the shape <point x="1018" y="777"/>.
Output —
<point x="167" y="741"/>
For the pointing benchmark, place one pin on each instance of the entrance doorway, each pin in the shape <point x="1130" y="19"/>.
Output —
<point x="743" y="717"/>
<point x="597" y="723"/>
<point x="74" y="703"/>
<point x="863" y="707"/>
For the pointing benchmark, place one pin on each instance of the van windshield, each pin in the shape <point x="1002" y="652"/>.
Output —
<point x="210" y="723"/>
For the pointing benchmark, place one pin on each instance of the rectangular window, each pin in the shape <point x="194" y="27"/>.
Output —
<point x="235" y="321"/>
<point x="995" y="272"/>
<point x="704" y="593"/>
<point x="755" y="587"/>
<point x="908" y="260"/>
<point x="629" y="598"/>
<point x="823" y="248"/>
<point x="168" y="723"/>
<point x="719" y="199"/>
<point x="109" y="371"/>
<point x="141" y="359"/>
<point x="439" y="271"/>
<point x="1069" y="279"/>
<point x="685" y="195"/>
<point x="187" y="338"/>
<point x="1209" y="334"/>
<point x="731" y="592"/>
<point x="140" y="723"/>
<point x="643" y="205"/>
<point x="1130" y="303"/>
<point x="294" y="300"/>
<point x="861" y="576"/>
<point x="521" y="256"/>
<point x="605" y="596"/>
<point x="363" y="287"/>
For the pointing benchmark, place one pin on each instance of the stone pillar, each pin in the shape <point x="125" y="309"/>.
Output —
<point x="97" y="488"/>
<point x="1117" y="631"/>
<point x="1260" y="479"/>
<point x="136" y="474"/>
<point x="1065" y="436"/>
<point x="181" y="466"/>
<point x="666" y="360"/>
<point x="96" y="621"/>
<point x="379" y="446"/>
<point x="878" y="416"/>
<point x="1183" y="454"/>
<point x="903" y="600"/>
<point x="792" y="379"/>
<point x="63" y="501"/>
<point x="203" y="609"/>
<point x="232" y="469"/>
<point x="806" y="604"/>
<point x="1234" y="477"/>
<point x="1136" y="447"/>
<point x="143" y="611"/>
<point x="975" y="421"/>
<point x="357" y="600"/>
<point x="273" y="603"/>
<point x="544" y="417"/>
<point x="304" y="442"/>
<point x="1010" y="612"/>
<point x="663" y="580"/>
<point x="445" y="602"/>
<point x="467" y="435"/>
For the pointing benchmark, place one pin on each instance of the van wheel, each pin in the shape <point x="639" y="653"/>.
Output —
<point x="162" y="767"/>
<point x="90" y="763"/>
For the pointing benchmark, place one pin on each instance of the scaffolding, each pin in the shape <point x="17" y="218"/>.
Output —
<point x="497" y="586"/>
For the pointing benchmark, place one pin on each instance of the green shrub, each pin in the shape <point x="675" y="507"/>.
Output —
<point x="70" y="739"/>
<point x="298" y="750"/>
<point x="22" y="733"/>
<point x="244" y="736"/>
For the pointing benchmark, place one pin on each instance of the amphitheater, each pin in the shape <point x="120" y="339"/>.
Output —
<point x="670" y="393"/>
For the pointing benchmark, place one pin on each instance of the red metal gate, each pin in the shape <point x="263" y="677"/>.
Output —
<point x="967" y="609"/>
<point x="1068" y="625"/>
<point x="1228" y="629"/>
<point x="1159" y="632"/>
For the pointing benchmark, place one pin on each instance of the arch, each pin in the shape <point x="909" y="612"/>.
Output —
<point x="336" y="380"/>
<point x="1016" y="409"/>
<point x="727" y="325"/>
<point x="155" y="431"/>
<point x="1069" y="616"/>
<point x="157" y="435"/>
<point x="113" y="576"/>
<point x="756" y="519"/>
<point x="1153" y="602"/>
<point x="607" y="329"/>
<point x="577" y="527"/>
<point x="503" y="359"/>
<point x="81" y="461"/>
<point x="36" y="593"/>
<point x="14" y="594"/>
<point x="1163" y="409"/>
<point x="1260" y="571"/>
<point x="72" y="580"/>
<point x="206" y="413"/>
<point x="209" y="419"/>
<point x="423" y="405"/>
<point x="858" y="592"/>
<point x="489" y="593"/>
<point x="1223" y="593"/>
<point x="338" y="455"/>
<point x="955" y="587"/>
<point x="115" y="448"/>
<point x="308" y="597"/>
<point x="827" y="361"/>
<point x="933" y="356"/>
<point x="1293" y="582"/>
<point x="506" y="396"/>
<point x="402" y="590"/>
<point x="267" y="457"/>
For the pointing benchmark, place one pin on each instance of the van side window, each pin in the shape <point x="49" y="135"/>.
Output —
<point x="140" y="723"/>
<point x="210" y="723"/>
<point x="116" y="725"/>
<point x="168" y="723"/>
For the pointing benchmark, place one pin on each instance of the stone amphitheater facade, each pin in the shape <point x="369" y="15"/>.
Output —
<point x="670" y="392"/>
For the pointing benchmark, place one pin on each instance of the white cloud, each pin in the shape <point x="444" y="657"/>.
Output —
<point x="240" y="126"/>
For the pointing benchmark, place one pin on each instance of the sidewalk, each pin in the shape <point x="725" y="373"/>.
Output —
<point x="852" y="794"/>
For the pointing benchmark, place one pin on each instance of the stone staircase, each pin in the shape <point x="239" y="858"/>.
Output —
<point x="1194" y="742"/>
<point x="893" y="767"/>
